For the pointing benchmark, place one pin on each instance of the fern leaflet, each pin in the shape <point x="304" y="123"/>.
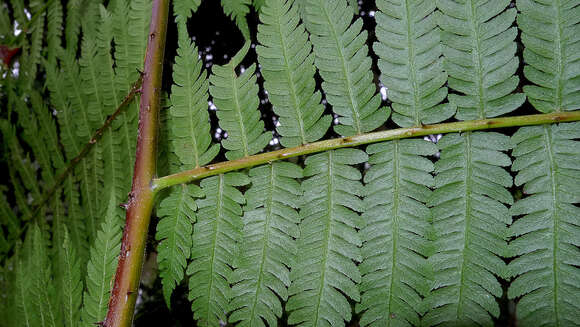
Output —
<point x="235" y="98"/>
<point x="174" y="231"/>
<point x="288" y="69"/>
<point x="470" y="221"/>
<point x="411" y="63"/>
<point x="69" y="280"/>
<point x="215" y="235"/>
<point x="267" y="248"/>
<point x="479" y="50"/>
<point x="550" y="32"/>
<point x="102" y="263"/>
<point x="182" y="9"/>
<point x="189" y="122"/>
<point x="548" y="277"/>
<point x="341" y="57"/>
<point x="394" y="267"/>
<point x="325" y="273"/>
<point x="237" y="10"/>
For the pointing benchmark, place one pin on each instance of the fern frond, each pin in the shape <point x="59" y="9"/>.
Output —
<point x="237" y="10"/>
<point x="395" y="274"/>
<point x="69" y="281"/>
<point x="215" y="235"/>
<point x="550" y="32"/>
<point x="343" y="62"/>
<point x="54" y="22"/>
<point x="479" y="51"/>
<point x="174" y="231"/>
<point x="258" y="4"/>
<point x="267" y="249"/>
<point x="42" y="289"/>
<point x="182" y="9"/>
<point x="470" y="219"/>
<point x="411" y="62"/>
<point x="101" y="266"/>
<point x="546" y="244"/>
<point x="288" y="69"/>
<point x="189" y="121"/>
<point x="325" y="275"/>
<point x="73" y="24"/>
<point x="237" y="103"/>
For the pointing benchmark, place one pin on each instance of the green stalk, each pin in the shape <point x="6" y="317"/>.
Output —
<point x="140" y="203"/>
<point x="344" y="142"/>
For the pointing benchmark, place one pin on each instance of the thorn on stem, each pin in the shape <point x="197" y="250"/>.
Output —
<point x="124" y="206"/>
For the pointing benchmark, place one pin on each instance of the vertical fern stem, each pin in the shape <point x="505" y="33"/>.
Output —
<point x="351" y="141"/>
<point x="140" y="202"/>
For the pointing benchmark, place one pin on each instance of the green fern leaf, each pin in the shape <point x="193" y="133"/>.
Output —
<point x="73" y="24"/>
<point x="546" y="244"/>
<point x="550" y="32"/>
<point x="470" y="221"/>
<point x="101" y="265"/>
<point x="411" y="63"/>
<point x="479" y="50"/>
<point x="189" y="121"/>
<point x="215" y="235"/>
<point x="182" y="9"/>
<point x="54" y="20"/>
<point x="258" y="4"/>
<point x="394" y="267"/>
<point x="267" y="248"/>
<point x="341" y="57"/>
<point x="237" y="10"/>
<point x="237" y="103"/>
<point x="69" y="281"/>
<point x="42" y="289"/>
<point x="288" y="70"/>
<point x="325" y="273"/>
<point x="174" y="231"/>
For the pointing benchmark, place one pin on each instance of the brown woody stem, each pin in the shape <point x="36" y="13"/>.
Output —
<point x="140" y="204"/>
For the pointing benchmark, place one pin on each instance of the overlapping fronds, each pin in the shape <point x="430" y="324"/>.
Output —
<point x="288" y="68"/>
<point x="325" y="274"/>
<point x="174" y="231"/>
<point x="237" y="10"/>
<point x="395" y="274"/>
<point x="480" y="56"/>
<point x="237" y="103"/>
<point x="470" y="219"/>
<point x="550" y="31"/>
<point x="267" y="247"/>
<point x="411" y="62"/>
<point x="215" y="235"/>
<point x="189" y="121"/>
<point x="341" y="57"/>
<point x="101" y="266"/>
<point x="546" y="241"/>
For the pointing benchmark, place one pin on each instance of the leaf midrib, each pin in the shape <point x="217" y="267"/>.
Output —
<point x="553" y="167"/>
<point x="353" y="103"/>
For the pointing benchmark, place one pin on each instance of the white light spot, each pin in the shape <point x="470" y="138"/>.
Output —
<point x="253" y="46"/>
<point x="372" y="13"/>
<point x="242" y="69"/>
<point x="208" y="57"/>
<point x="278" y="124"/>
<point x="384" y="92"/>
<point x="212" y="106"/>
<point x="17" y="29"/>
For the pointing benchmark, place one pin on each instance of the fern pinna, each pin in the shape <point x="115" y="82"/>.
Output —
<point x="452" y="229"/>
